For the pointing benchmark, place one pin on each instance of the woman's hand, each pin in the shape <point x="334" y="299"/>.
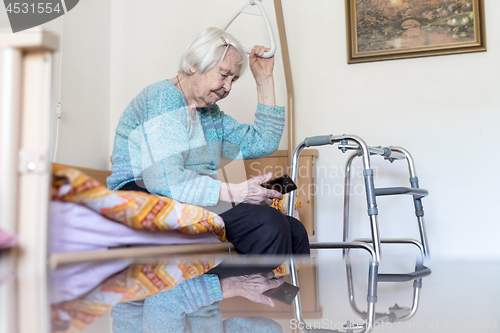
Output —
<point x="262" y="70"/>
<point x="250" y="191"/>
<point x="251" y="287"/>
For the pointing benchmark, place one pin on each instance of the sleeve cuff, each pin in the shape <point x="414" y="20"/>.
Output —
<point x="213" y="287"/>
<point x="276" y="111"/>
<point x="212" y="193"/>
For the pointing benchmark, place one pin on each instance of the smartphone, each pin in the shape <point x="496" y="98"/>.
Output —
<point x="284" y="293"/>
<point x="283" y="184"/>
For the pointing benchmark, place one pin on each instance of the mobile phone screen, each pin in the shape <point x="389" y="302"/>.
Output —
<point x="283" y="184"/>
<point x="284" y="293"/>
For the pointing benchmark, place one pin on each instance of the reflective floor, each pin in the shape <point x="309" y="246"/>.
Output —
<point x="455" y="297"/>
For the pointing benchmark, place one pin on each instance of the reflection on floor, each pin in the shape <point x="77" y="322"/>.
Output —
<point x="456" y="297"/>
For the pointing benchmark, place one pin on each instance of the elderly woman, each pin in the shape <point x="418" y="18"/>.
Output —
<point x="171" y="137"/>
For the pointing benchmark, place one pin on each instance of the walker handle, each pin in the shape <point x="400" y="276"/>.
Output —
<point x="243" y="9"/>
<point x="319" y="140"/>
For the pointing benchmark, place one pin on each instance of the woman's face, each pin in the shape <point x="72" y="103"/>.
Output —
<point x="215" y="84"/>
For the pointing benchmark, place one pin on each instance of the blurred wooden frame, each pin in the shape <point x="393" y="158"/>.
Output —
<point x="355" y="56"/>
<point x="26" y="69"/>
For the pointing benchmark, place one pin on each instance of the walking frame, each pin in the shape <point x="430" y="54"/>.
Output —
<point x="371" y="245"/>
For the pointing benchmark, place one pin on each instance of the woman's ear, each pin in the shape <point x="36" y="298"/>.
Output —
<point x="193" y="69"/>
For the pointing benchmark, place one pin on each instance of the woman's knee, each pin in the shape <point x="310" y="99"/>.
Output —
<point x="300" y="238"/>
<point x="272" y="221"/>
<point x="272" y="233"/>
<point x="255" y="229"/>
<point x="298" y="229"/>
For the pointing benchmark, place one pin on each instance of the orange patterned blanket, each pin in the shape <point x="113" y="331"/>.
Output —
<point x="136" y="210"/>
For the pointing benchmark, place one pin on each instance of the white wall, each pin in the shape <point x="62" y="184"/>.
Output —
<point x="445" y="110"/>
<point x="84" y="92"/>
<point x="85" y="85"/>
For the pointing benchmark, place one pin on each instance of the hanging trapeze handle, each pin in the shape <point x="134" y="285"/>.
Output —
<point x="247" y="10"/>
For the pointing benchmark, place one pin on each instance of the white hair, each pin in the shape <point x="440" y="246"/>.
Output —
<point x="208" y="49"/>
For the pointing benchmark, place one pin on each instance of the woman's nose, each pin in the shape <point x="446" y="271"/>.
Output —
<point x="227" y="84"/>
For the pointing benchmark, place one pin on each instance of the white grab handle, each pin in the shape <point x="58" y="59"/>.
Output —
<point x="247" y="10"/>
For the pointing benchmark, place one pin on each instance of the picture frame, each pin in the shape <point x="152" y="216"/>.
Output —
<point x="397" y="29"/>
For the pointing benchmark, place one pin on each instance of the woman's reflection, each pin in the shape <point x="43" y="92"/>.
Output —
<point x="193" y="306"/>
<point x="144" y="301"/>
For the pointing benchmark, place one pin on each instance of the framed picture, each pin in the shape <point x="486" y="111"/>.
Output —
<point x="396" y="29"/>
